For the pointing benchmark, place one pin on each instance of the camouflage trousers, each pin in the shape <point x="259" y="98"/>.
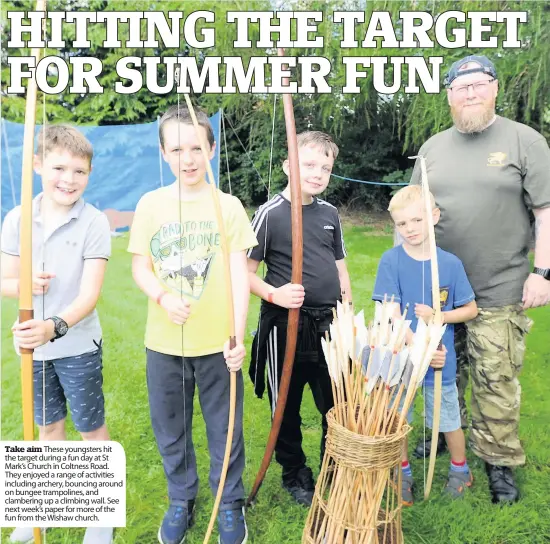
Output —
<point x="462" y="371"/>
<point x="491" y="348"/>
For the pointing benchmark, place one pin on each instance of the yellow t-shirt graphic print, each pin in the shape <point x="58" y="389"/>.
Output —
<point x="182" y="239"/>
<point x="183" y="255"/>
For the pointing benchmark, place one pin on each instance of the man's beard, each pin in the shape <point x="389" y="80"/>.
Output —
<point x="473" y="121"/>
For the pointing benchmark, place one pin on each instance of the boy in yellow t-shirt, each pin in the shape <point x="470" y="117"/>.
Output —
<point x="178" y="263"/>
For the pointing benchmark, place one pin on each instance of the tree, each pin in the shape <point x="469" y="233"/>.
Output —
<point x="375" y="133"/>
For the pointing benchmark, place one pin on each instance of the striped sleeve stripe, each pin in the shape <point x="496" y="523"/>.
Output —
<point x="262" y="215"/>
<point x="325" y="203"/>
<point x="342" y="237"/>
<point x="277" y="200"/>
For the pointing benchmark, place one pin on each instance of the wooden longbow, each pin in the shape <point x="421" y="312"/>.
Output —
<point x="296" y="278"/>
<point x="438" y="372"/>
<point x="230" y="305"/>
<point x="26" y="311"/>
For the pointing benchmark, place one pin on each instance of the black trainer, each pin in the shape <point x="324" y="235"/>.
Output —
<point x="423" y="449"/>
<point x="300" y="485"/>
<point x="501" y="484"/>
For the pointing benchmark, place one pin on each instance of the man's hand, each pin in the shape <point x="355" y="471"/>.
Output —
<point x="178" y="309"/>
<point x="421" y="311"/>
<point x="536" y="291"/>
<point x="41" y="283"/>
<point x="234" y="357"/>
<point x="33" y="333"/>
<point x="438" y="360"/>
<point x="289" y="296"/>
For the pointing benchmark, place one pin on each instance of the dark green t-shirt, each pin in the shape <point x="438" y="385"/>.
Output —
<point x="484" y="184"/>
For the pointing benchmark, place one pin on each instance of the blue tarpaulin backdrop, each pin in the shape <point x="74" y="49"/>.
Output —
<point x="126" y="164"/>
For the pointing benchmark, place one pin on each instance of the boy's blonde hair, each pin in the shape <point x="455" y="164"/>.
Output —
<point x="407" y="196"/>
<point x="65" y="138"/>
<point x="318" y="139"/>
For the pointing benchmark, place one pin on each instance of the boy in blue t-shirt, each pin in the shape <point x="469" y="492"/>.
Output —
<point x="404" y="272"/>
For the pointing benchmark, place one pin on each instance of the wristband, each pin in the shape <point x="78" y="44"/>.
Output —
<point x="270" y="295"/>
<point x="159" y="298"/>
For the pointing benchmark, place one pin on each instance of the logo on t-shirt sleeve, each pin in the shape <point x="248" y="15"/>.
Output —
<point x="443" y="296"/>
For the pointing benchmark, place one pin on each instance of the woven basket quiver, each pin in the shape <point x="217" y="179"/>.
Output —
<point x="375" y="371"/>
<point x="358" y="494"/>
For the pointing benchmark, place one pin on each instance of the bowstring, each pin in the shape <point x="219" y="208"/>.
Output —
<point x="424" y="226"/>
<point x="43" y="263"/>
<point x="180" y="214"/>
<point x="43" y="251"/>
<point x="275" y="365"/>
<point x="258" y="332"/>
<point x="226" y="153"/>
<point x="247" y="466"/>
<point x="160" y="155"/>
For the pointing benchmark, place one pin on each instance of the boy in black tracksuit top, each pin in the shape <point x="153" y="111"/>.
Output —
<point x="325" y="279"/>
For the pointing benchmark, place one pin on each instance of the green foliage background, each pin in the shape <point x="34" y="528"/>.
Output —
<point x="375" y="134"/>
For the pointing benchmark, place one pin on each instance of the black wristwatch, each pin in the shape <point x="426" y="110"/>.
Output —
<point x="60" y="327"/>
<point x="544" y="272"/>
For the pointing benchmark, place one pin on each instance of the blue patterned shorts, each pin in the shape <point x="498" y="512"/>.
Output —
<point x="77" y="381"/>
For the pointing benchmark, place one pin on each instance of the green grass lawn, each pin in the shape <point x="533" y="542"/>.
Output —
<point x="275" y="518"/>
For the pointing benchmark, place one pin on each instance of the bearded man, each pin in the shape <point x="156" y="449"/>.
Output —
<point x="486" y="173"/>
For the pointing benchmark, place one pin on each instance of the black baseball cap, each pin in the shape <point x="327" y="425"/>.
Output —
<point x="485" y="67"/>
